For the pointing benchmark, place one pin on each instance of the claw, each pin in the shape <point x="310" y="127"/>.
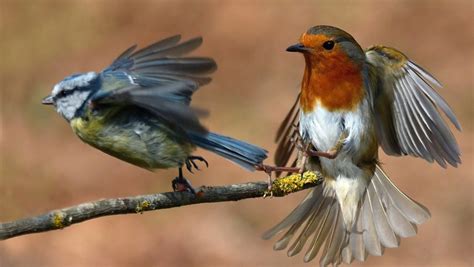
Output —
<point x="195" y="165"/>
<point x="188" y="166"/>
<point x="191" y="164"/>
<point x="270" y="184"/>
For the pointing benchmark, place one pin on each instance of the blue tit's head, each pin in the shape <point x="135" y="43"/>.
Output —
<point x="70" y="95"/>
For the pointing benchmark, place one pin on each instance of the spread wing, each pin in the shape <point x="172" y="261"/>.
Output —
<point x="163" y="62"/>
<point x="407" y="109"/>
<point x="158" y="78"/>
<point x="287" y="132"/>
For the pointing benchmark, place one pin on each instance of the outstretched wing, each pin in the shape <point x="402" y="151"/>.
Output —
<point x="163" y="62"/>
<point x="406" y="107"/>
<point x="158" y="78"/>
<point x="286" y="135"/>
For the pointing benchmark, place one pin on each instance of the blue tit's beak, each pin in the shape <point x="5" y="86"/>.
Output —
<point x="299" y="47"/>
<point x="48" y="100"/>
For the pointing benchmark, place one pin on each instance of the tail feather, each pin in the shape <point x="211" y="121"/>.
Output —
<point x="347" y="256"/>
<point x="403" y="213"/>
<point x="313" y="224"/>
<point x="384" y="231"/>
<point x="356" y="245"/>
<point x="300" y="213"/>
<point x="336" y="240"/>
<point x="369" y="234"/>
<point x="385" y="214"/>
<point x="244" y="154"/>
<point x="324" y="229"/>
<point x="282" y="243"/>
<point x="412" y="210"/>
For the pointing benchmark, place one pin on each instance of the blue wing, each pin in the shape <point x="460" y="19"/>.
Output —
<point x="159" y="79"/>
<point x="163" y="62"/>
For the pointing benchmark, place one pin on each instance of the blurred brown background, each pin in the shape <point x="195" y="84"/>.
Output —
<point x="44" y="166"/>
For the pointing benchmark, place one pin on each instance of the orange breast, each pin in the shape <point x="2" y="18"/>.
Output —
<point x="334" y="81"/>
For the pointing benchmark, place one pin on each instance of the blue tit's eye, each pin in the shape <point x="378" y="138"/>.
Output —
<point x="328" y="45"/>
<point x="61" y="94"/>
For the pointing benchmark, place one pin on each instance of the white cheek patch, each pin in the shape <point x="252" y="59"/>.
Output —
<point x="69" y="105"/>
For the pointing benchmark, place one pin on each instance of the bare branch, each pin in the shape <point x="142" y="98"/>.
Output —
<point x="58" y="219"/>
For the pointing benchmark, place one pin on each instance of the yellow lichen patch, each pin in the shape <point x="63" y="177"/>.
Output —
<point x="294" y="182"/>
<point x="58" y="218"/>
<point x="142" y="206"/>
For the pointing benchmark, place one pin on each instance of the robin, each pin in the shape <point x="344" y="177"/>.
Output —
<point x="351" y="102"/>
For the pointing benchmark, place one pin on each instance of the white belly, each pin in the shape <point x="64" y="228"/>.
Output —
<point x="324" y="129"/>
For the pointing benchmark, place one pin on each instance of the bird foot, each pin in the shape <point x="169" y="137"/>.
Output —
<point x="308" y="151"/>
<point x="330" y="154"/>
<point x="181" y="184"/>
<point x="270" y="169"/>
<point x="190" y="163"/>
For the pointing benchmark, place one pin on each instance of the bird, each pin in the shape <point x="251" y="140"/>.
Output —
<point x="353" y="101"/>
<point x="138" y="110"/>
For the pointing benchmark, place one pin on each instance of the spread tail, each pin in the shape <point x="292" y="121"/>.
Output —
<point x="244" y="154"/>
<point x="385" y="215"/>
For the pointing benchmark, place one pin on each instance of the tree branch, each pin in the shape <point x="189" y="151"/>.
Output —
<point x="59" y="219"/>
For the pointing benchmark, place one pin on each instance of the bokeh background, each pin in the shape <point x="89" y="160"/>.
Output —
<point x="44" y="166"/>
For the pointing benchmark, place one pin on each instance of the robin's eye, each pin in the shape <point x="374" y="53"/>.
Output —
<point x="328" y="45"/>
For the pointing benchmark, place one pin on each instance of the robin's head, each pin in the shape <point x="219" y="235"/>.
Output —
<point x="328" y="44"/>
<point x="333" y="73"/>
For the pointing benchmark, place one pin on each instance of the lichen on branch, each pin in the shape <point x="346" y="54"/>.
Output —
<point x="59" y="219"/>
<point x="294" y="183"/>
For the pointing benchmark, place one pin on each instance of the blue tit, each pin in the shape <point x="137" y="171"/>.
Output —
<point x="138" y="109"/>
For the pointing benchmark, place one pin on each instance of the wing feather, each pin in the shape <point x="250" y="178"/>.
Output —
<point x="159" y="79"/>
<point x="161" y="63"/>
<point x="432" y="94"/>
<point x="408" y="109"/>
<point x="412" y="123"/>
<point x="169" y="102"/>
<point x="158" y="46"/>
<point x="286" y="135"/>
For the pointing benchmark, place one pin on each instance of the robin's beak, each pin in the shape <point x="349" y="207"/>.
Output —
<point x="48" y="100"/>
<point x="299" y="47"/>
